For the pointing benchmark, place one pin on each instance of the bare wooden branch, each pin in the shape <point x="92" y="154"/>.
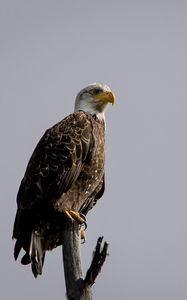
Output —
<point x="98" y="260"/>
<point x="78" y="288"/>
<point x="72" y="263"/>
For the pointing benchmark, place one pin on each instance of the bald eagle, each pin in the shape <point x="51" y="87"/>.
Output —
<point x="64" y="177"/>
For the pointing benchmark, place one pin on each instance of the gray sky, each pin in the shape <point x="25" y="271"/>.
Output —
<point x="49" y="50"/>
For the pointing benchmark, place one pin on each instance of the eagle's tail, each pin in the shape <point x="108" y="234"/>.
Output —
<point x="36" y="253"/>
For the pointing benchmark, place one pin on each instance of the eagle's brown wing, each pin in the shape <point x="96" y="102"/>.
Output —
<point x="56" y="161"/>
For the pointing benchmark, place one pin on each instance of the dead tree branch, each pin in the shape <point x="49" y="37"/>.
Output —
<point x="78" y="288"/>
<point x="98" y="260"/>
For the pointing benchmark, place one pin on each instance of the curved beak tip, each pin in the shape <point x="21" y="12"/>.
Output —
<point x="112" y="98"/>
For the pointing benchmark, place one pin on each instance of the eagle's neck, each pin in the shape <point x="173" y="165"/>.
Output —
<point x="97" y="116"/>
<point x="89" y="109"/>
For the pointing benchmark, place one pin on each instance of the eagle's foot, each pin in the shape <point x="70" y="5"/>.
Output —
<point x="75" y="216"/>
<point x="72" y="216"/>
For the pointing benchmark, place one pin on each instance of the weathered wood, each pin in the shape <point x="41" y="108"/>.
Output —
<point x="98" y="260"/>
<point x="75" y="287"/>
<point x="78" y="288"/>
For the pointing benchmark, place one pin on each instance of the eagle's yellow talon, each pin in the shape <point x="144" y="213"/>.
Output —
<point x="68" y="215"/>
<point x="72" y="215"/>
<point x="76" y="216"/>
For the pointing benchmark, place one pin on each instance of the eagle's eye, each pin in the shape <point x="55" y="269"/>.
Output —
<point x="97" y="91"/>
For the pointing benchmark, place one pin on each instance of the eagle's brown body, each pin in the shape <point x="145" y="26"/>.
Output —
<point x="65" y="172"/>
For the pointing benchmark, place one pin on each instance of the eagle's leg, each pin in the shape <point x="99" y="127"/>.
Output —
<point x="81" y="220"/>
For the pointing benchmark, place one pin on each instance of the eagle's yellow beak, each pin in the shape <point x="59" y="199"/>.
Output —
<point x="106" y="96"/>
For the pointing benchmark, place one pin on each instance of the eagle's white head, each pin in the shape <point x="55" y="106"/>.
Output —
<point x="94" y="99"/>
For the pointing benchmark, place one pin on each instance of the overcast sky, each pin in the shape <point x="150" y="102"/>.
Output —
<point x="49" y="50"/>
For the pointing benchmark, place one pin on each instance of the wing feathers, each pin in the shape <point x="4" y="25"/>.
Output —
<point x="36" y="253"/>
<point x="57" y="160"/>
